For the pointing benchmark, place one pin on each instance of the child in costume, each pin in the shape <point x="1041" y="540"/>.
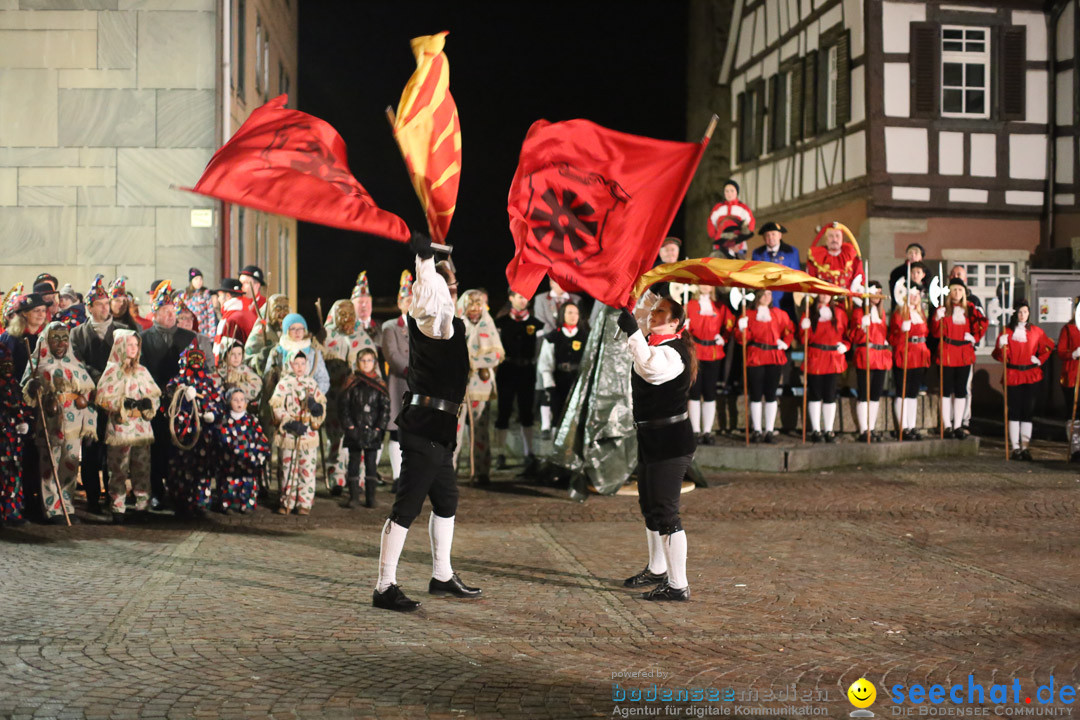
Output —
<point x="364" y="413"/>
<point x="14" y="425"/>
<point x="242" y="452"/>
<point x="299" y="409"/>
<point x="233" y="373"/>
<point x="193" y="404"/>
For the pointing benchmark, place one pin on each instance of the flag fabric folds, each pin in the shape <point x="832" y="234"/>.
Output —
<point x="290" y="163"/>
<point x="736" y="273"/>
<point x="428" y="132"/>
<point x="590" y="206"/>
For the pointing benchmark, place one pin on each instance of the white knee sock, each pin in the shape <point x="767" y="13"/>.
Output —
<point x="527" y="441"/>
<point x="1025" y="434"/>
<point x="770" y="416"/>
<point x="828" y="415"/>
<point x="860" y="416"/>
<point x="390" y="545"/>
<point x="693" y="408"/>
<point x="708" y="415"/>
<point x="911" y="412"/>
<point x="657" y="561"/>
<point x="755" y="415"/>
<point x="813" y="409"/>
<point x="898" y="410"/>
<point x="946" y="411"/>
<point x="1014" y="434"/>
<point x="871" y="418"/>
<point x="441" y="533"/>
<point x="395" y="459"/>
<point x="958" y="407"/>
<point x="675" y="550"/>
<point x="545" y="417"/>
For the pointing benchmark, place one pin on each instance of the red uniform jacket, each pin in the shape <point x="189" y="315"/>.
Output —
<point x="880" y="352"/>
<point x="1067" y="343"/>
<point x="838" y="270"/>
<point x="917" y="351"/>
<point x="762" y="348"/>
<point x="705" y="328"/>
<point x="822" y="357"/>
<point x="954" y="350"/>
<point x="1021" y="370"/>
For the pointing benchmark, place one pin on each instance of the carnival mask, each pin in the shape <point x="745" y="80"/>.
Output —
<point x="278" y="310"/>
<point x="345" y="317"/>
<point x="58" y="342"/>
<point x="196" y="359"/>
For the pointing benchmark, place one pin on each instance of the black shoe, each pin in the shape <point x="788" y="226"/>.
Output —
<point x="1016" y="454"/>
<point x="645" y="578"/>
<point x="815" y="436"/>
<point x="1025" y="454"/>
<point x="393" y="487"/>
<point x="755" y="437"/>
<point x="960" y="434"/>
<point x="500" y="463"/>
<point x="663" y="591"/>
<point x="336" y="491"/>
<point x="769" y="437"/>
<point x="861" y="437"/>
<point x="393" y="599"/>
<point x="483" y="480"/>
<point x="877" y="436"/>
<point x="913" y="435"/>
<point x="708" y="439"/>
<point x="454" y="587"/>
<point x="1075" y="457"/>
<point x="532" y="467"/>
<point x="830" y="437"/>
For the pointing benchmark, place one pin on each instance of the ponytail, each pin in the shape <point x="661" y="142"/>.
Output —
<point x="678" y="312"/>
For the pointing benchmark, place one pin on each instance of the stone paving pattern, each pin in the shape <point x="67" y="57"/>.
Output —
<point x="923" y="572"/>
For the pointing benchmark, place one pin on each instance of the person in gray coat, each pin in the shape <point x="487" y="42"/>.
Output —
<point x="395" y="350"/>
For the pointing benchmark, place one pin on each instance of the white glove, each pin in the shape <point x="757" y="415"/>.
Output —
<point x="968" y="337"/>
<point x="189" y="392"/>
<point x="208" y="417"/>
<point x="743" y="322"/>
<point x="1003" y="340"/>
<point x="1076" y="354"/>
<point x="782" y="345"/>
<point x="841" y="348"/>
<point x="857" y="300"/>
<point x="865" y="321"/>
<point x="940" y="313"/>
<point x="805" y="324"/>
<point x="22" y="428"/>
<point x="905" y="326"/>
<point x="719" y="340"/>
<point x="1035" y="360"/>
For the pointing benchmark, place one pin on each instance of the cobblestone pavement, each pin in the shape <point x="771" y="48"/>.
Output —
<point x="921" y="573"/>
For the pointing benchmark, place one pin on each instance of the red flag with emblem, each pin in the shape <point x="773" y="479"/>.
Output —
<point x="290" y="163"/>
<point x="590" y="206"/>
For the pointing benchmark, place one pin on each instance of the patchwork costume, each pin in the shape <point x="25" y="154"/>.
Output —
<point x="485" y="354"/>
<point x="242" y="451"/>
<point x="299" y="409"/>
<point x="193" y="404"/>
<point x="15" y="417"/>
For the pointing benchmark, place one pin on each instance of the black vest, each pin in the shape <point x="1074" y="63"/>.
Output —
<point x="565" y="353"/>
<point x="519" y="337"/>
<point x="439" y="369"/>
<point x="654" y="402"/>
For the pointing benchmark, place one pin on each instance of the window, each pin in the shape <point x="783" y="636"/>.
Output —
<point x="965" y="72"/>
<point x="240" y="44"/>
<point x="983" y="279"/>
<point x="779" y="116"/>
<point x="259" y="87"/>
<point x="831" y="76"/>
<point x="283" y="80"/>
<point x="751" y="120"/>
<point x="283" y="254"/>
<point x="266" y="63"/>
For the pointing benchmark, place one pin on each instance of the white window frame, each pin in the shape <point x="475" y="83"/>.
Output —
<point x="978" y="272"/>
<point x="259" y="87"/>
<point x="833" y="56"/>
<point x="966" y="57"/>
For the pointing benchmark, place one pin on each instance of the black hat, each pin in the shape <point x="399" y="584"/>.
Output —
<point x="31" y="301"/>
<point x="153" y="286"/>
<point x="255" y="273"/>
<point x="44" y="288"/>
<point x="669" y="240"/>
<point x="193" y="273"/>
<point x="957" y="281"/>
<point x="231" y="286"/>
<point x="732" y="183"/>
<point x="771" y="226"/>
<point x="916" y="245"/>
<point x="46" y="277"/>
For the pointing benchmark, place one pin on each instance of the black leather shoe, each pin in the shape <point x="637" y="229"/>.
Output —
<point x="816" y="436"/>
<point x="645" y="578"/>
<point x="666" y="592"/>
<point x="769" y="437"/>
<point x="755" y="437"/>
<point x="960" y="434"/>
<point x="862" y="438"/>
<point x="830" y="437"/>
<point x="1025" y="454"/>
<point x="454" y="587"/>
<point x="393" y="599"/>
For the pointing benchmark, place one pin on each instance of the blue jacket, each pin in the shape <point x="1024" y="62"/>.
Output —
<point x="785" y="255"/>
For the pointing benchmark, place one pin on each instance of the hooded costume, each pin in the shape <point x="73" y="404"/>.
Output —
<point x="14" y="425"/>
<point x="242" y="451"/>
<point x="485" y="354"/>
<point x="242" y="376"/>
<point x="193" y="404"/>
<point x="299" y="410"/>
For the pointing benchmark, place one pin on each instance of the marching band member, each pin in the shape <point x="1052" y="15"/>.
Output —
<point x="1025" y="348"/>
<point x="907" y="335"/>
<point x="710" y="324"/>
<point x="959" y="326"/>
<point x="870" y="323"/>
<point x="825" y="361"/>
<point x="767" y="333"/>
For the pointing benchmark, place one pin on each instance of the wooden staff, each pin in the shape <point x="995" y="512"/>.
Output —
<point x="45" y="429"/>
<point x="907" y="334"/>
<point x="941" y="363"/>
<point x="870" y="314"/>
<point x="1005" y="373"/>
<point x="806" y="347"/>
<point x="1076" y="395"/>
<point x="745" y="387"/>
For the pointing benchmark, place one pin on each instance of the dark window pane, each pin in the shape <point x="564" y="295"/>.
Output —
<point x="952" y="101"/>
<point x="953" y="34"/>
<point x="975" y="101"/>
<point x="953" y="75"/>
<point x="976" y="76"/>
<point x="976" y="34"/>
<point x="975" y="47"/>
<point x="954" y="46"/>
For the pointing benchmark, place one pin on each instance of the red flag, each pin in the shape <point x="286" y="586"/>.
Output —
<point x="290" y="163"/>
<point x="590" y="206"/>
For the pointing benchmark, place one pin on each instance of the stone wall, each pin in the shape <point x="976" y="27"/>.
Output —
<point x="103" y="105"/>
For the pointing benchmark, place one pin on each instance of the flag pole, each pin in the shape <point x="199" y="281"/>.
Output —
<point x="941" y="360"/>
<point x="1076" y="387"/>
<point x="745" y="388"/>
<point x="391" y="118"/>
<point x="805" y="343"/>
<point x="869" y="313"/>
<point x="907" y="334"/>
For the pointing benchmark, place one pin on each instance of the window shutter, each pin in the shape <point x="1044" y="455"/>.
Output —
<point x="743" y="126"/>
<point x="796" y="101"/>
<point x="759" y="118"/>
<point x="925" y="69"/>
<point x="773" y="112"/>
<point x="820" y="107"/>
<point x="843" y="79"/>
<point x="809" y="99"/>
<point x="1013" y="75"/>
<point x="778" y="126"/>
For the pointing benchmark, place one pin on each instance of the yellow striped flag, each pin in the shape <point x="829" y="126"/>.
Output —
<point x="736" y="273"/>
<point x="428" y="132"/>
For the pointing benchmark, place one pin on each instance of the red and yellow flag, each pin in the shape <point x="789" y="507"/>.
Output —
<point x="736" y="273"/>
<point x="428" y="132"/>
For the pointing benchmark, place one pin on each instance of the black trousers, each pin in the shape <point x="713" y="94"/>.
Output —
<point x="954" y="381"/>
<point x="708" y="375"/>
<point x="515" y="382"/>
<point x="427" y="471"/>
<point x="822" y="387"/>
<point x="763" y="381"/>
<point x="914" y="381"/>
<point x="160" y="452"/>
<point x="370" y="458"/>
<point x="94" y="468"/>
<point x="1069" y="402"/>
<point x="877" y="384"/>
<point x="1022" y="402"/>
<point x="659" y="490"/>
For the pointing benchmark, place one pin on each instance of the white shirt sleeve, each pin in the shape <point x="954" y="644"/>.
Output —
<point x="643" y="308"/>
<point x="432" y="307"/>
<point x="546" y="364"/>
<point x="656" y="365"/>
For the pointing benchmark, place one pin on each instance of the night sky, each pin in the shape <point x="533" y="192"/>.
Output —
<point x="620" y="64"/>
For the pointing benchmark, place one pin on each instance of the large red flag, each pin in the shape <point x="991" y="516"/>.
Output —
<point x="290" y="163"/>
<point x="590" y="206"/>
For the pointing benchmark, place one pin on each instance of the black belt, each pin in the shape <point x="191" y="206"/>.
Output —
<point x="1022" y="367"/>
<point x="706" y="342"/>
<point x="661" y="422"/>
<point x="878" y="347"/>
<point x="763" y="346"/>
<point x="567" y="367"/>
<point x="950" y="341"/>
<point x="917" y="340"/>
<point x="435" y="403"/>
<point x="520" y="362"/>
<point x="830" y="348"/>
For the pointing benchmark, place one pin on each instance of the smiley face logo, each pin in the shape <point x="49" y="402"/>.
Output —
<point x="862" y="693"/>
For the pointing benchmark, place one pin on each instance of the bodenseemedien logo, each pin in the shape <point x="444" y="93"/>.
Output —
<point x="861" y="694"/>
